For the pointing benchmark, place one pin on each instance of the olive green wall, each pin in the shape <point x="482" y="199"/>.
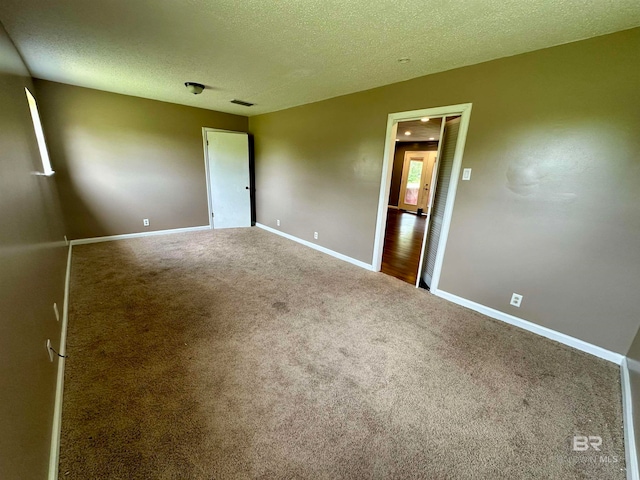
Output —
<point x="32" y="268"/>
<point x="121" y="159"/>
<point x="553" y="208"/>
<point x="398" y="164"/>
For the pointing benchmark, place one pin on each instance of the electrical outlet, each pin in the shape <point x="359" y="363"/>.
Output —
<point x="516" y="300"/>
<point x="55" y="310"/>
<point x="278" y="223"/>
<point x="315" y="235"/>
<point x="50" y="350"/>
<point x="145" y="222"/>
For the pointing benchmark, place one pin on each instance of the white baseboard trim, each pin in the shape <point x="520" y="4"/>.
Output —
<point x="54" y="456"/>
<point x="633" y="472"/>
<point x="366" y="266"/>
<point x="532" y="327"/>
<point x="82" y="241"/>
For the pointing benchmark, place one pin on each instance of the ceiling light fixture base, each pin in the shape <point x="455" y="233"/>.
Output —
<point x="195" y="88"/>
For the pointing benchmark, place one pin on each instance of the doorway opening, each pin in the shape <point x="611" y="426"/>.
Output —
<point x="414" y="159"/>
<point x="423" y="155"/>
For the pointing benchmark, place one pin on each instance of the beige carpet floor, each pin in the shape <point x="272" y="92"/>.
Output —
<point x="240" y="354"/>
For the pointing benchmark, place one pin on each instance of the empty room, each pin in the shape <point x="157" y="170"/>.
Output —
<point x="319" y="240"/>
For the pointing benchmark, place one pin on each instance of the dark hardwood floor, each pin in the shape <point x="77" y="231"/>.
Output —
<point x="402" y="245"/>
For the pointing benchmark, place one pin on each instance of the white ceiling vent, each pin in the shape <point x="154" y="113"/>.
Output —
<point x="242" y="102"/>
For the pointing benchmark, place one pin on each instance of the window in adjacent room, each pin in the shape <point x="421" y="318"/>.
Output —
<point x="35" y="116"/>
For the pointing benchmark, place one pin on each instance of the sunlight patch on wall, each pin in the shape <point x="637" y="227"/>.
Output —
<point x="37" y="125"/>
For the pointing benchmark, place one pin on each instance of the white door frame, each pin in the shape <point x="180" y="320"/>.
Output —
<point x="464" y="110"/>
<point x="207" y="171"/>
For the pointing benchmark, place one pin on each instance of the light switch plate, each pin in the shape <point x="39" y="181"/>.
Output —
<point x="466" y="174"/>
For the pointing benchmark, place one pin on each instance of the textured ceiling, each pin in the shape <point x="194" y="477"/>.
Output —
<point x="281" y="54"/>
<point x="420" y="131"/>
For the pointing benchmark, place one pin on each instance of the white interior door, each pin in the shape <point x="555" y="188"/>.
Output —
<point x="448" y="141"/>
<point x="416" y="175"/>
<point x="228" y="156"/>
<point x="424" y="199"/>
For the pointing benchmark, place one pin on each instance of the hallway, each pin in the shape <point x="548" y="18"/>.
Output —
<point x="402" y="244"/>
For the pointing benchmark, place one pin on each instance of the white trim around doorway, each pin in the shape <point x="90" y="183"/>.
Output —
<point x="205" y="149"/>
<point x="464" y="110"/>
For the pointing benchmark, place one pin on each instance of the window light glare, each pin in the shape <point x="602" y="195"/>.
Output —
<point x="407" y="133"/>
<point x="432" y="138"/>
<point x="37" y="125"/>
<point x="424" y="119"/>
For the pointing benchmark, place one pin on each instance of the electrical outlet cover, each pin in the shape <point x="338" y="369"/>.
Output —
<point x="516" y="300"/>
<point x="49" y="350"/>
